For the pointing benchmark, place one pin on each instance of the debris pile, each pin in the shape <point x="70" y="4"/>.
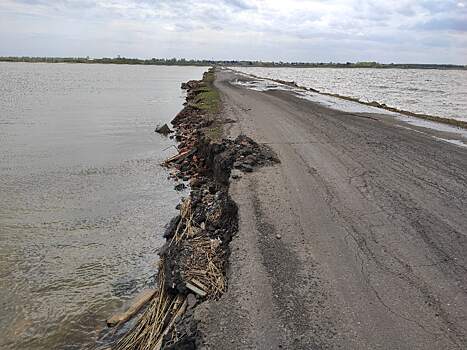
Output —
<point x="194" y="259"/>
<point x="199" y="158"/>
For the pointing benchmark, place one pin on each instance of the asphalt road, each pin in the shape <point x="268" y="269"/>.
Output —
<point x="372" y="218"/>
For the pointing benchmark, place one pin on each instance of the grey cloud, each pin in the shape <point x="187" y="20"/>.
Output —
<point x="200" y="28"/>
<point x="456" y="24"/>
<point x="240" y="4"/>
<point x="437" y="7"/>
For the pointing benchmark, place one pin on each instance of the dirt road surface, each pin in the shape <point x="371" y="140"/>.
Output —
<point x="357" y="240"/>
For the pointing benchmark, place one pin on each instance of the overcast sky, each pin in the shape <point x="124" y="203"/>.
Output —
<point x="415" y="31"/>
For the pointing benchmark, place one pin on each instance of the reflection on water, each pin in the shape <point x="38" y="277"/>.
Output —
<point x="435" y="92"/>
<point x="83" y="198"/>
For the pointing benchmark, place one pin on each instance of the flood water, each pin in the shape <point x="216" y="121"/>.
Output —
<point x="440" y="93"/>
<point x="83" y="199"/>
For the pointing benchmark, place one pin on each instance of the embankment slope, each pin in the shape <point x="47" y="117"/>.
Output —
<point x="356" y="240"/>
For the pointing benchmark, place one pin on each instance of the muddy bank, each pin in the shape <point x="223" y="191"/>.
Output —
<point x="193" y="261"/>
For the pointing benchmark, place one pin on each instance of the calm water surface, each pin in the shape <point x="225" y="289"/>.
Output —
<point x="436" y="92"/>
<point x="83" y="199"/>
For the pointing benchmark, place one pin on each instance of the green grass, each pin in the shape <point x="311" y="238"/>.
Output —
<point x="207" y="101"/>
<point x="214" y="132"/>
<point x="207" y="98"/>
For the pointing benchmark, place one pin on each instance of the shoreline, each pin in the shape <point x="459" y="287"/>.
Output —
<point x="194" y="259"/>
<point x="443" y="120"/>
<point x="210" y="63"/>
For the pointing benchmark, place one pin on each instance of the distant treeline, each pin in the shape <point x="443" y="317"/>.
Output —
<point x="346" y="65"/>
<point x="185" y="62"/>
<point x="107" y="60"/>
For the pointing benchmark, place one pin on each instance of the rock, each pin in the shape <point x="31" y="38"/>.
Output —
<point x="185" y="166"/>
<point x="246" y="151"/>
<point x="247" y="168"/>
<point x="250" y="160"/>
<point x="171" y="227"/>
<point x="189" y="84"/>
<point x="164" y="130"/>
<point x="197" y="182"/>
<point x="180" y="187"/>
<point x="191" y="300"/>
<point x="278" y="236"/>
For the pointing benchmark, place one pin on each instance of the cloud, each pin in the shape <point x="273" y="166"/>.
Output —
<point x="441" y="24"/>
<point x="292" y="30"/>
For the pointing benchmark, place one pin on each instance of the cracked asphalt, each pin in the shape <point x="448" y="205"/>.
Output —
<point x="372" y="221"/>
